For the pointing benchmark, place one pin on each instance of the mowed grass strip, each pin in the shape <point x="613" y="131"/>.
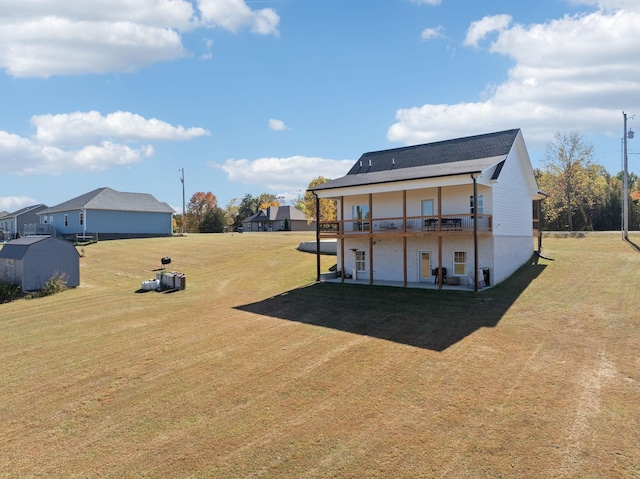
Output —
<point x="255" y="371"/>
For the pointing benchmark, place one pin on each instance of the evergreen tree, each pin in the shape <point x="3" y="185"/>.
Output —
<point x="213" y="221"/>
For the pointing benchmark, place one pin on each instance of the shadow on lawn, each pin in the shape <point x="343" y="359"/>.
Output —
<point x="633" y="245"/>
<point x="428" y="319"/>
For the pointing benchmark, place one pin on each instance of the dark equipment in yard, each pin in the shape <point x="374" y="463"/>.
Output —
<point x="165" y="261"/>
<point x="434" y="272"/>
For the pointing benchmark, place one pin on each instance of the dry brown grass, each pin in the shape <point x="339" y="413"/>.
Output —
<point x="253" y="371"/>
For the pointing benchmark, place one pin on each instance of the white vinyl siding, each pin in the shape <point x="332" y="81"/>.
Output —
<point x="512" y="198"/>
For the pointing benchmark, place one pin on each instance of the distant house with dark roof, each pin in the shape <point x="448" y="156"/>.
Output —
<point x="13" y="224"/>
<point x="458" y="212"/>
<point x="32" y="260"/>
<point x="278" y="218"/>
<point x="110" y="214"/>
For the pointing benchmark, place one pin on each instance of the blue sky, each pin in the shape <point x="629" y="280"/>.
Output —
<point x="264" y="95"/>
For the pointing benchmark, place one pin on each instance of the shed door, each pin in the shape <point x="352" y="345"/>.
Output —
<point x="10" y="270"/>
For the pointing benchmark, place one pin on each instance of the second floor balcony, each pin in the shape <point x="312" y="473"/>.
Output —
<point x="409" y="225"/>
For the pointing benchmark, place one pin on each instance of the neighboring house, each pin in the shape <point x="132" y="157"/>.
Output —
<point x="31" y="261"/>
<point x="468" y="205"/>
<point x="13" y="224"/>
<point x="110" y="214"/>
<point x="2" y="233"/>
<point x="278" y="218"/>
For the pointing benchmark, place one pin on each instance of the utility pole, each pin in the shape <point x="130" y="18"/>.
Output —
<point x="184" y="217"/>
<point x="625" y="183"/>
<point x="625" y="179"/>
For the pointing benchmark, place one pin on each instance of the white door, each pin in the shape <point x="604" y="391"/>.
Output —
<point x="425" y="265"/>
<point x="427" y="207"/>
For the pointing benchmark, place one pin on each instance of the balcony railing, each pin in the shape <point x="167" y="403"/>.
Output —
<point x="36" y="229"/>
<point x="463" y="223"/>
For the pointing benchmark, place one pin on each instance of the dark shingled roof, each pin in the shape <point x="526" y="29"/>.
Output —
<point x="18" y="247"/>
<point x="430" y="160"/>
<point x="276" y="213"/>
<point x="108" y="199"/>
<point x="21" y="211"/>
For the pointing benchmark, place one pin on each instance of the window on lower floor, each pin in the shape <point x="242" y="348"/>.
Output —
<point x="360" y="261"/>
<point x="81" y="219"/>
<point x="460" y="263"/>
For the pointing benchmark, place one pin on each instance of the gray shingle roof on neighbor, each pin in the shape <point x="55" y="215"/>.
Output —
<point x="443" y="158"/>
<point x="108" y="199"/>
<point x="287" y="212"/>
<point x="18" y="247"/>
<point x="21" y="211"/>
<point x="276" y="213"/>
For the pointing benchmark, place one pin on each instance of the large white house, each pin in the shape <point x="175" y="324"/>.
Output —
<point x="458" y="212"/>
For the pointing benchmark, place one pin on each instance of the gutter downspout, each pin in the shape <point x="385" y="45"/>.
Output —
<point x="539" y="202"/>
<point x="317" y="236"/>
<point x="475" y="232"/>
<point x="539" y="226"/>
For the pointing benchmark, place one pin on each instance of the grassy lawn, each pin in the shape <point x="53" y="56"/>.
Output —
<point x="254" y="371"/>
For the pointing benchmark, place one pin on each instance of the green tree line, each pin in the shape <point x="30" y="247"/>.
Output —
<point x="582" y="195"/>
<point x="204" y="215"/>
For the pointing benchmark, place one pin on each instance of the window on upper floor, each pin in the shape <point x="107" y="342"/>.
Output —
<point x="360" y="213"/>
<point x="66" y="220"/>
<point x="81" y="218"/>
<point x="480" y="205"/>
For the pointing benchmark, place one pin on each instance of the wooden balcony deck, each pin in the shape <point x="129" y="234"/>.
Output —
<point x="408" y="226"/>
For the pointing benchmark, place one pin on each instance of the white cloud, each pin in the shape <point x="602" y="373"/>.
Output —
<point x="40" y="38"/>
<point x="609" y="4"/>
<point x="85" y="142"/>
<point x="208" y="45"/>
<point x="277" y="125"/>
<point x="14" y="203"/>
<point x="22" y="156"/>
<point x="58" y="46"/>
<point x="86" y="127"/>
<point x="283" y="174"/>
<point x="481" y="28"/>
<point x="431" y="33"/>
<point x="426" y="2"/>
<point x="573" y="73"/>
<point x="161" y="13"/>
<point x="235" y="14"/>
